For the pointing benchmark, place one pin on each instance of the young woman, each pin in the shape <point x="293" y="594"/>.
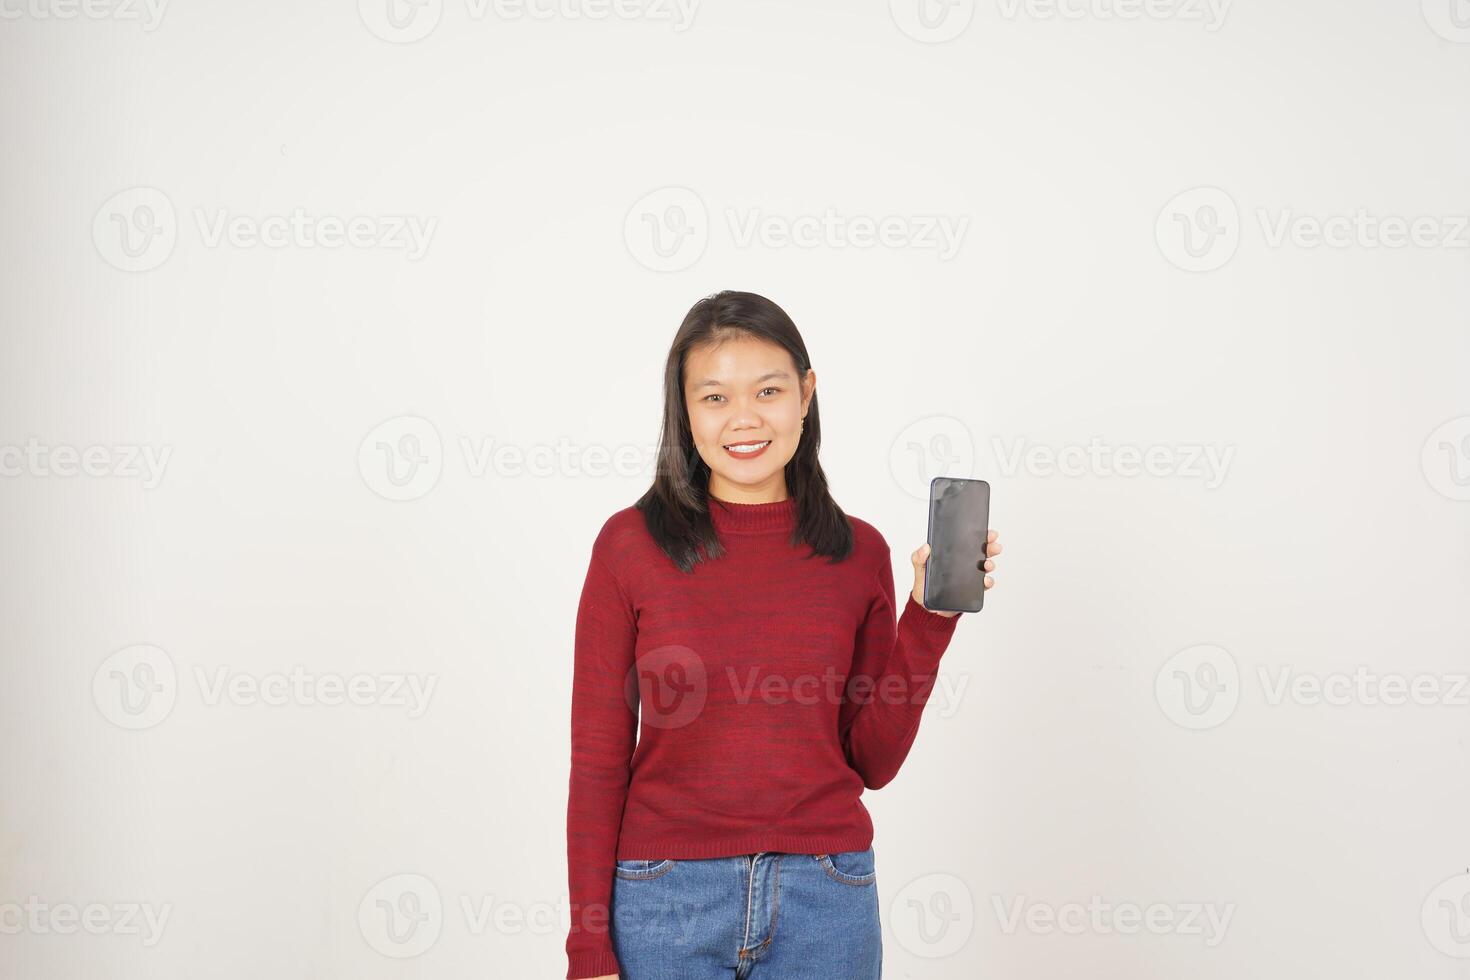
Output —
<point x="756" y="626"/>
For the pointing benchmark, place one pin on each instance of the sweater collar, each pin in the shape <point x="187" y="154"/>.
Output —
<point x="728" y="516"/>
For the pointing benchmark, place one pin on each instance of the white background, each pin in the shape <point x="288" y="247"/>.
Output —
<point x="1077" y="150"/>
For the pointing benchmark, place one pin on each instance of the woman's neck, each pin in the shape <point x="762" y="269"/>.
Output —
<point x="735" y="494"/>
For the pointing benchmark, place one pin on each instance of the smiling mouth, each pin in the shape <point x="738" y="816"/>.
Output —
<point x="747" y="447"/>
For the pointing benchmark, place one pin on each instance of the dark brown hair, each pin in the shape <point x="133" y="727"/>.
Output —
<point x="676" y="507"/>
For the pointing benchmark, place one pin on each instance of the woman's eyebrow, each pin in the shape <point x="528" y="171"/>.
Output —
<point x="713" y="383"/>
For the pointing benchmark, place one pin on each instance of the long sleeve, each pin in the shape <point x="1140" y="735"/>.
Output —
<point x="604" y="731"/>
<point x="895" y="665"/>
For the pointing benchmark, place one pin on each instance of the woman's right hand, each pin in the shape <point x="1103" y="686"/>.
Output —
<point x="610" y="976"/>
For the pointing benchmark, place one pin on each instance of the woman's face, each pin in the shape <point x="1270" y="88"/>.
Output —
<point x="746" y="391"/>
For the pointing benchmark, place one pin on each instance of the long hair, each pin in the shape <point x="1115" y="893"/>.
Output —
<point x="676" y="507"/>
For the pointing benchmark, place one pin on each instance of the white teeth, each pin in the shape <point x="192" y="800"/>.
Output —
<point x="749" y="449"/>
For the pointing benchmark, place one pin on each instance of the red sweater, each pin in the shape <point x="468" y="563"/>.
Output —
<point x="774" y="687"/>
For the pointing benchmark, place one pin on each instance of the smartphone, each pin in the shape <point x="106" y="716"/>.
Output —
<point x="959" y="522"/>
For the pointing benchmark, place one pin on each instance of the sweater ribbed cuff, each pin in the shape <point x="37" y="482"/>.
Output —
<point x="599" y="964"/>
<point x="917" y="614"/>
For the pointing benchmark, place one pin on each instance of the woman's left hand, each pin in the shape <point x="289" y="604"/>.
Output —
<point x="921" y="557"/>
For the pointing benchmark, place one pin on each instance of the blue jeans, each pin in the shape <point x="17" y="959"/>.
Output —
<point x="770" y="916"/>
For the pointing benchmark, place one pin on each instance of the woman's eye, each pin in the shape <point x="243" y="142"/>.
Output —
<point x="762" y="391"/>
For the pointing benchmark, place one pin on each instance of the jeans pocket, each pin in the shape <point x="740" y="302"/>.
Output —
<point x="636" y="869"/>
<point x="850" y="867"/>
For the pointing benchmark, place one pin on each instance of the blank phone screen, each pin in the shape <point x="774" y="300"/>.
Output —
<point x="959" y="518"/>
